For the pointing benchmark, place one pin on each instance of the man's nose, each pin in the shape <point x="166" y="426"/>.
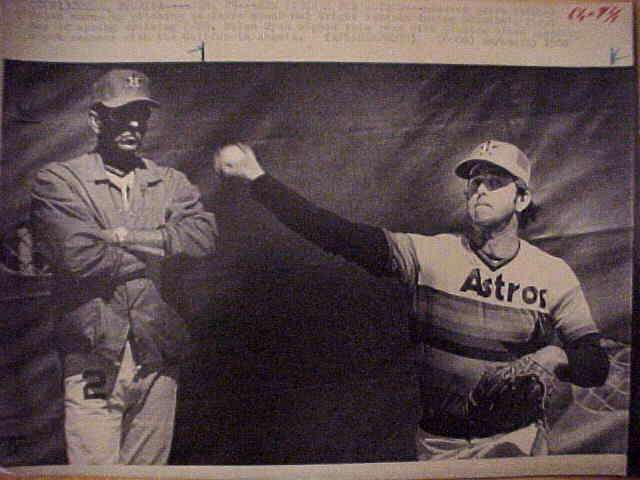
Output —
<point x="482" y="188"/>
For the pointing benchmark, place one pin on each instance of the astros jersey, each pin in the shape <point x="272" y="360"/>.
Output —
<point x="469" y="315"/>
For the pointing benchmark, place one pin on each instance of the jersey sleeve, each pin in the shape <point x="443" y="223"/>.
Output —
<point x="403" y="257"/>
<point x="571" y="313"/>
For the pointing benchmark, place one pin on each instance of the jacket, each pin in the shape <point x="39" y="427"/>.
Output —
<point x="108" y="294"/>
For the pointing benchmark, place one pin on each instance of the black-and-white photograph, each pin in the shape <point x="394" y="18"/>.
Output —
<point x="312" y="263"/>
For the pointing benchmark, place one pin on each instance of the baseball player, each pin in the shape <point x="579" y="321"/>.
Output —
<point x="106" y="221"/>
<point x="499" y="321"/>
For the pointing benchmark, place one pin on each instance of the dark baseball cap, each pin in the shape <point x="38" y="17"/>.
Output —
<point x="122" y="86"/>
<point x="502" y="154"/>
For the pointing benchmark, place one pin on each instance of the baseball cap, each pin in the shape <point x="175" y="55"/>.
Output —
<point x="502" y="154"/>
<point x="122" y="86"/>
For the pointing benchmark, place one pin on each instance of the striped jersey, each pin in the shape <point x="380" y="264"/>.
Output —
<point x="469" y="315"/>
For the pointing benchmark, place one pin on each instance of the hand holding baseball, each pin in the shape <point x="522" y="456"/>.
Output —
<point x="237" y="160"/>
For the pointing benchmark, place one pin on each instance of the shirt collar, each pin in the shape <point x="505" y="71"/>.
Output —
<point x="92" y="169"/>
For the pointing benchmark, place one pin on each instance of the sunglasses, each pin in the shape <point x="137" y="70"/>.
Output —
<point x="124" y="115"/>
<point x="490" y="182"/>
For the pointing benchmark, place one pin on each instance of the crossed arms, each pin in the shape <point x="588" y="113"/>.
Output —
<point x="77" y="240"/>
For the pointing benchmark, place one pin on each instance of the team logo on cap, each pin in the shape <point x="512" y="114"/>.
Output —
<point x="134" y="81"/>
<point x="488" y="146"/>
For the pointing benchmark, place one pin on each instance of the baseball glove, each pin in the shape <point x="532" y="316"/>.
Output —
<point x="512" y="396"/>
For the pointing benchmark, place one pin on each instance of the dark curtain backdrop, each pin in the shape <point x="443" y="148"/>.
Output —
<point x="298" y="356"/>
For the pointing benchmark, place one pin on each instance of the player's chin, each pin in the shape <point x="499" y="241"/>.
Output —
<point x="485" y="219"/>
<point x="482" y="215"/>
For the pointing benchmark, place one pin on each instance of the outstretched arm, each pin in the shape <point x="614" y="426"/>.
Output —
<point x="363" y="244"/>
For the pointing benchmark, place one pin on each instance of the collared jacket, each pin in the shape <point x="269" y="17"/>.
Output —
<point x="108" y="294"/>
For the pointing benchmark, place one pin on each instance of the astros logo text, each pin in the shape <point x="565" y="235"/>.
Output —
<point x="503" y="290"/>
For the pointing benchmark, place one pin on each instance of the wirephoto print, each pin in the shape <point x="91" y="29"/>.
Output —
<point x="311" y="263"/>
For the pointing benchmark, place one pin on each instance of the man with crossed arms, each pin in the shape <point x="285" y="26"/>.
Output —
<point x="485" y="302"/>
<point x="106" y="221"/>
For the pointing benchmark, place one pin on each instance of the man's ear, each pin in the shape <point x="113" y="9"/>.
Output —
<point x="94" y="122"/>
<point x="523" y="199"/>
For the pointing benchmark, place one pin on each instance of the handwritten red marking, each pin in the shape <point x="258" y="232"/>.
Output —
<point x="604" y="14"/>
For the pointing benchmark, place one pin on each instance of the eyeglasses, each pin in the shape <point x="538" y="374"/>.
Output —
<point x="490" y="182"/>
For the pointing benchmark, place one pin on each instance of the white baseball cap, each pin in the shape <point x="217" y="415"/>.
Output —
<point x="121" y="86"/>
<point x="502" y="154"/>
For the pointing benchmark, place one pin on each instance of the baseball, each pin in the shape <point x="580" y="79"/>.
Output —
<point x="237" y="160"/>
